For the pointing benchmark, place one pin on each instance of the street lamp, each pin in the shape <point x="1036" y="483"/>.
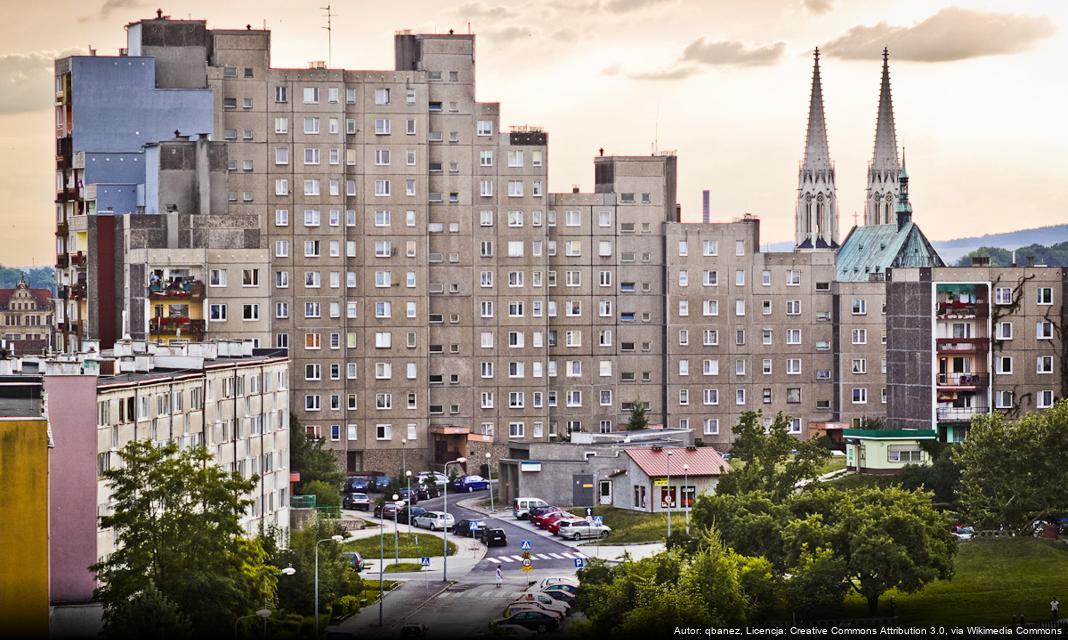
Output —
<point x="396" y="532"/>
<point x="669" y="493"/>
<point x="288" y="571"/>
<point x="404" y="451"/>
<point x="686" y="493"/>
<point x="334" y="539"/>
<point x="408" y="480"/>
<point x="445" y="508"/>
<point x="262" y="613"/>
<point x="489" y="472"/>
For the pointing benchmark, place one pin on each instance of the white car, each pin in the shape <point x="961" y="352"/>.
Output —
<point x="432" y="476"/>
<point x="548" y="582"/>
<point x="434" y="520"/>
<point x="579" y="529"/>
<point x="516" y="607"/>
<point x="542" y="599"/>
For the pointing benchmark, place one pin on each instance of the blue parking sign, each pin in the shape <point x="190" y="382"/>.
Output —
<point x="579" y="563"/>
<point x="525" y="545"/>
<point x="425" y="561"/>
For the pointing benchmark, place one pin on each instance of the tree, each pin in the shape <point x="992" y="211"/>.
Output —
<point x="1012" y="473"/>
<point x="774" y="461"/>
<point x="148" y="614"/>
<point x="337" y="577"/>
<point x="942" y="477"/>
<point x="176" y="520"/>
<point x="307" y="457"/>
<point x="326" y="495"/>
<point x="638" y="416"/>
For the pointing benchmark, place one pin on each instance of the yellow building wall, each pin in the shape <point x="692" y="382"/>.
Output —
<point x="24" y="532"/>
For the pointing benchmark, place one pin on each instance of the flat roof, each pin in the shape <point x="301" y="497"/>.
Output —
<point x="890" y="434"/>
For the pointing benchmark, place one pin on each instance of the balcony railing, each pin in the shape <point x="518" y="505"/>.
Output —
<point x="62" y="261"/>
<point x="970" y="379"/>
<point x="189" y="288"/>
<point x="78" y="259"/>
<point x="963" y="344"/>
<point x="960" y="414"/>
<point x="170" y="325"/>
<point x="78" y="291"/>
<point x="963" y="309"/>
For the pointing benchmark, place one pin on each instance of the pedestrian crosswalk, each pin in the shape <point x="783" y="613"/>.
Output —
<point x="536" y="556"/>
<point x="488" y="591"/>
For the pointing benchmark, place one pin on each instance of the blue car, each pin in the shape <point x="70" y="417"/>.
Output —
<point x="470" y="483"/>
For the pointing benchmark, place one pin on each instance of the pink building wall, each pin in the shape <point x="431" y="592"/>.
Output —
<point x="72" y="538"/>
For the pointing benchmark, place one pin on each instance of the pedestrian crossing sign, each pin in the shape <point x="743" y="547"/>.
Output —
<point x="425" y="561"/>
<point x="525" y="545"/>
<point x="579" y="563"/>
<point x="598" y="521"/>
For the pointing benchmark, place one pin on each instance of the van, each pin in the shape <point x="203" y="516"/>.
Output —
<point x="521" y="507"/>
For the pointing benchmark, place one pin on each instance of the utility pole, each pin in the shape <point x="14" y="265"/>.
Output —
<point x="329" y="36"/>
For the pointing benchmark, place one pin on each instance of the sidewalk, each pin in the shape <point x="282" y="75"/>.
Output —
<point x="396" y="606"/>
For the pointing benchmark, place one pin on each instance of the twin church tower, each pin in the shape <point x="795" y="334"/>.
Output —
<point x="817" y="197"/>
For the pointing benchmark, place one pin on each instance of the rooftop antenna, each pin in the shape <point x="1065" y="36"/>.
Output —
<point x="656" y="128"/>
<point x="329" y="36"/>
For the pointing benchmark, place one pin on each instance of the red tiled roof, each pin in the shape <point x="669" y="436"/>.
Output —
<point x="703" y="461"/>
<point x="43" y="297"/>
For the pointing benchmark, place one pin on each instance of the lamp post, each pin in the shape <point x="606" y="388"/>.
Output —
<point x="445" y="508"/>
<point x="262" y="613"/>
<point x="404" y="451"/>
<point x="669" y="493"/>
<point x="396" y="530"/>
<point x="489" y="472"/>
<point x="686" y="493"/>
<point x="334" y="539"/>
<point x="381" y="561"/>
<point x="408" y="480"/>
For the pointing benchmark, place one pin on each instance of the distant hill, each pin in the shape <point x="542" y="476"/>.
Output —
<point x="1052" y="256"/>
<point x="1029" y="240"/>
<point x="36" y="277"/>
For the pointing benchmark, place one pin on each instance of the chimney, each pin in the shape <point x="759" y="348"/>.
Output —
<point x="1030" y="261"/>
<point x="980" y="261"/>
<point x="574" y="189"/>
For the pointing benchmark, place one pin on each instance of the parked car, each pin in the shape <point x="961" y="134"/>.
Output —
<point x="408" y="495"/>
<point x="560" y="592"/>
<point x="356" y="501"/>
<point x="355" y="559"/>
<point x="554" y="525"/>
<point x="470" y="483"/>
<point x="435" y="477"/>
<point x="963" y="533"/>
<point x="427" y="490"/>
<point x="408" y="516"/>
<point x="548" y="582"/>
<point x="521" y="507"/>
<point x="578" y="529"/>
<point x="380" y="482"/>
<point x="543" y="600"/>
<point x="548" y="521"/>
<point x="541" y="520"/>
<point x="539" y="621"/>
<point x="531" y="606"/>
<point x="356" y="484"/>
<point x="534" y="512"/>
<point x="469" y="527"/>
<point x="493" y="537"/>
<point x="387" y="511"/>
<point x="434" y="520"/>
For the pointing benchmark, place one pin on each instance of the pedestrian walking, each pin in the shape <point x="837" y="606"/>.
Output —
<point x="1054" y="608"/>
<point x="498" y="577"/>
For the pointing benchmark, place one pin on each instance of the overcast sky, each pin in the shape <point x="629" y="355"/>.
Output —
<point x="980" y="92"/>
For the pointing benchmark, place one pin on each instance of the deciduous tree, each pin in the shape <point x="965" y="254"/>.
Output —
<point x="773" y="460"/>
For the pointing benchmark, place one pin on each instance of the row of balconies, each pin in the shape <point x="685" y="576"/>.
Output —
<point x="170" y="325"/>
<point x="962" y="345"/>
<point x="186" y="288"/>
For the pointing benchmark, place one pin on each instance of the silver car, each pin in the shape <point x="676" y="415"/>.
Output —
<point x="426" y="477"/>
<point x="578" y="529"/>
<point x="434" y="520"/>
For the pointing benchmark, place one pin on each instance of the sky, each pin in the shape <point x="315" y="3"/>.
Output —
<point x="979" y="88"/>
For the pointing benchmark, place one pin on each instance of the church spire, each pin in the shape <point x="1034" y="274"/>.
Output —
<point x="883" y="170"/>
<point x="816" y="217"/>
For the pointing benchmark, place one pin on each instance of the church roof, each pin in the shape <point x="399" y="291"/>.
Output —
<point x="43" y="297"/>
<point x="874" y="248"/>
<point x="817" y="151"/>
<point x="884" y="156"/>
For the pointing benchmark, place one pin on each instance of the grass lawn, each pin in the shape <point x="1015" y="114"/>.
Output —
<point x="632" y="526"/>
<point x="996" y="579"/>
<point x="833" y="463"/>
<point x="402" y="567"/>
<point x="428" y="546"/>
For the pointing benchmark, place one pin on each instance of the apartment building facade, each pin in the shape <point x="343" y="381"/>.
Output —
<point x="965" y="341"/>
<point x="26" y="318"/>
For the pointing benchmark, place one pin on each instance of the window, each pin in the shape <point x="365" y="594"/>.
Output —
<point x="281" y="187"/>
<point x="1004" y="331"/>
<point x="1002" y="295"/>
<point x="860" y="336"/>
<point x="860" y="395"/>
<point x="793" y="307"/>
<point x="860" y="365"/>
<point x="311" y="126"/>
<point x="250" y="312"/>
<point x="250" y="277"/>
<point x="739" y="396"/>
<point x="217" y="278"/>
<point x="739" y="247"/>
<point x="311" y="95"/>
<point x="1003" y="364"/>
<point x="1003" y="399"/>
<point x="1045" y="399"/>
<point x="311" y="187"/>
<point x="217" y="313"/>
<point x="1044" y="364"/>
<point x="382" y="187"/>
<point x="484" y="128"/>
<point x="382" y="127"/>
<point x="793" y="366"/>
<point x="793" y="336"/>
<point x="860" y="307"/>
<point x="793" y="278"/>
<point x="1043" y="330"/>
<point x="1045" y="295"/>
<point x="382" y="96"/>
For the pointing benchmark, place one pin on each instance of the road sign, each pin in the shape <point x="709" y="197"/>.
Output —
<point x="528" y="565"/>
<point x="598" y="521"/>
<point x="425" y="561"/>
<point x="579" y="563"/>
<point x="660" y="482"/>
<point x="525" y="545"/>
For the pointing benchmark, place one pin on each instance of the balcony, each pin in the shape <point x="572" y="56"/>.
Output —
<point x="185" y="288"/>
<point x="62" y="261"/>
<point x="171" y="325"/>
<point x="959" y="414"/>
<point x="977" y="309"/>
<point x="962" y="345"/>
<point x="62" y="229"/>
<point x="64" y="152"/>
<point x="78" y="291"/>
<point x="965" y="380"/>
<point x="79" y="259"/>
<point x="67" y="327"/>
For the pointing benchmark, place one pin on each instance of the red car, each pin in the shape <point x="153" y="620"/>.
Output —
<point x="541" y="520"/>
<point x="557" y="517"/>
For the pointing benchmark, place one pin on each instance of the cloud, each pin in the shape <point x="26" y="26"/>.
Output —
<point x="732" y="52"/>
<point x="671" y="73"/>
<point x="951" y="34"/>
<point x="506" y="34"/>
<point x="475" y="10"/>
<point x="817" y="6"/>
<point x="626" y="6"/>
<point x="111" y="6"/>
<point x="26" y="81"/>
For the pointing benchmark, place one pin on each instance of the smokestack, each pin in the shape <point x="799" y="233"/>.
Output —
<point x="705" y="212"/>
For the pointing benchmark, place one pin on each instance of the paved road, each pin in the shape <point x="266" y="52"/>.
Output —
<point x="547" y="551"/>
